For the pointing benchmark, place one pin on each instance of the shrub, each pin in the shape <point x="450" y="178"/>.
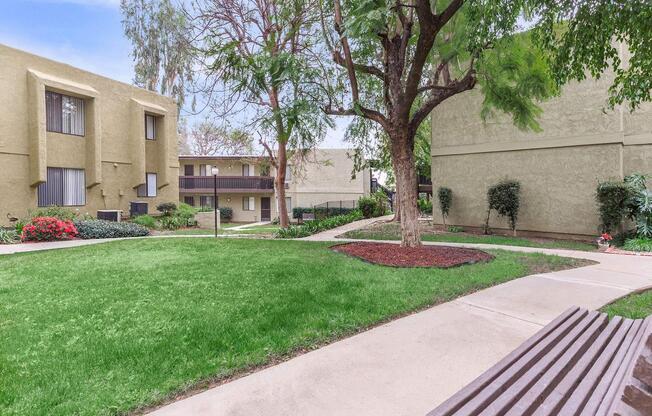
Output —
<point x="455" y="229"/>
<point x="89" y="229"/>
<point x="166" y="208"/>
<point x="48" y="229"/>
<point x="186" y="213"/>
<point x="504" y="198"/>
<point x="425" y="205"/>
<point x="367" y="205"/>
<point x="173" y="222"/>
<point x="320" y="212"/>
<point x="54" y="211"/>
<point x="445" y="196"/>
<point x="312" y="227"/>
<point x="19" y="226"/>
<point x="612" y="199"/>
<point x="8" y="236"/>
<point x="638" y="244"/>
<point x="226" y="213"/>
<point x="145" y="220"/>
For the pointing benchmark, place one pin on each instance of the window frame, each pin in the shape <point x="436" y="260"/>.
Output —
<point x="142" y="191"/>
<point x="188" y="198"/>
<point x="250" y="204"/>
<point x="153" y="117"/>
<point x="62" y="187"/>
<point x="214" y="202"/>
<point x="49" y="128"/>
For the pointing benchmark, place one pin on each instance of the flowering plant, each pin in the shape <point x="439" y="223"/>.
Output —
<point x="605" y="239"/>
<point x="48" y="229"/>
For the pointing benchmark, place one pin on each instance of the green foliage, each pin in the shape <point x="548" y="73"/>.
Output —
<point x="612" y="198"/>
<point x="54" y="211"/>
<point x="374" y="205"/>
<point x="8" y="236"/>
<point x="320" y="212"/>
<point x="505" y="199"/>
<point x="455" y="229"/>
<point x="166" y="208"/>
<point x="20" y="224"/>
<point x="172" y="222"/>
<point x="638" y="244"/>
<point x="186" y="213"/>
<point x="425" y="206"/>
<point x="90" y="229"/>
<point x="445" y="197"/>
<point x="316" y="226"/>
<point x="226" y="213"/>
<point x="589" y="42"/>
<point x="146" y="221"/>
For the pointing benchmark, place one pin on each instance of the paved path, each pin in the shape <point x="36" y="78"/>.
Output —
<point x="410" y="365"/>
<point x="245" y="226"/>
<point x="329" y="235"/>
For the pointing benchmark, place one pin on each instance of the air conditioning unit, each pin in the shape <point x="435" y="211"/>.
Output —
<point x="137" y="208"/>
<point x="109" y="215"/>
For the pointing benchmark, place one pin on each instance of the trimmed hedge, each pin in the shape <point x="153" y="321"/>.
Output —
<point x="226" y="213"/>
<point x="312" y="227"/>
<point x="505" y="198"/>
<point x="89" y="229"/>
<point x="445" y="196"/>
<point x="612" y="198"/>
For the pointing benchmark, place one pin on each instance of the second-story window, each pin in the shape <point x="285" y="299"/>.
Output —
<point x="247" y="170"/>
<point x="150" y="127"/>
<point x="64" y="114"/>
<point x="288" y="173"/>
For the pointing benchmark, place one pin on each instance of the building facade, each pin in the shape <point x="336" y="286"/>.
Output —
<point x="72" y="138"/>
<point x="246" y="183"/>
<point x="559" y="168"/>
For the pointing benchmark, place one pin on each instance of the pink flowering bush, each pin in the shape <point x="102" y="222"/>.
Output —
<point x="48" y="229"/>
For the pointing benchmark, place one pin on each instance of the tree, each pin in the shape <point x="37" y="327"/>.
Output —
<point x="402" y="59"/>
<point x="207" y="138"/>
<point x="263" y="55"/>
<point x="160" y="47"/>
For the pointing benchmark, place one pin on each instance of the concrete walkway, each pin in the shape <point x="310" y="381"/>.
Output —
<point x="329" y="235"/>
<point x="410" y="365"/>
<point x="245" y="226"/>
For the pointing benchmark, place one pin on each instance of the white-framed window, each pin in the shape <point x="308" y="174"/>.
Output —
<point x="64" y="187"/>
<point x="205" y="170"/>
<point x="247" y="170"/>
<point x="248" y="203"/>
<point x="288" y="173"/>
<point x="148" y="189"/>
<point x="207" y="201"/>
<point x="288" y="204"/>
<point x="64" y="114"/>
<point x="150" y="127"/>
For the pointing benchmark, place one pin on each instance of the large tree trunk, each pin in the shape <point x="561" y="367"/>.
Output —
<point x="280" y="185"/>
<point x="396" y="206"/>
<point x="406" y="184"/>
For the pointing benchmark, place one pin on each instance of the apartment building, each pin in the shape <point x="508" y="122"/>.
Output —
<point x="559" y="168"/>
<point x="72" y="138"/>
<point x="246" y="183"/>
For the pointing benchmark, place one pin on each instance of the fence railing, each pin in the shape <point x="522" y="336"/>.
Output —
<point x="206" y="183"/>
<point x="324" y="210"/>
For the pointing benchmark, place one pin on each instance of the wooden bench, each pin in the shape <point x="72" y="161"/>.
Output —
<point x="581" y="363"/>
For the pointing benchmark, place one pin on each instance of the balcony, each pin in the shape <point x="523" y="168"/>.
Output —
<point x="232" y="184"/>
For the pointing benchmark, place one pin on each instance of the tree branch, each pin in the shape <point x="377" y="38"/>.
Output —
<point x="367" y="69"/>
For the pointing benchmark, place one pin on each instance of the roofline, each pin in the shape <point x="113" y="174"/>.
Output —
<point x="217" y="157"/>
<point x="88" y="72"/>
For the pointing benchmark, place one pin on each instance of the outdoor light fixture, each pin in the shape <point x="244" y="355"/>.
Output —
<point x="214" y="172"/>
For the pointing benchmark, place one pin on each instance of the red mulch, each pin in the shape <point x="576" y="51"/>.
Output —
<point x="425" y="256"/>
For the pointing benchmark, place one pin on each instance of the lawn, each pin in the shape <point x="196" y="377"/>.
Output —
<point x="108" y="328"/>
<point x="635" y="306"/>
<point x="390" y="231"/>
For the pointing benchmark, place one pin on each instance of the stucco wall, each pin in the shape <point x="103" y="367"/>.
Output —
<point x="109" y="151"/>
<point x="559" y="168"/>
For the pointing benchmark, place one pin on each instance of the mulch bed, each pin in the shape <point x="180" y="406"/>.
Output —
<point x="425" y="256"/>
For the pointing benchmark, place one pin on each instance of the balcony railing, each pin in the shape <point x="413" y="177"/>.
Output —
<point x="202" y="184"/>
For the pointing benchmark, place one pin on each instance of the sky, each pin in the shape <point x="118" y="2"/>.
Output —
<point x="83" y="33"/>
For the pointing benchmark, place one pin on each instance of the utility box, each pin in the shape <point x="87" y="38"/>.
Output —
<point x="109" y="215"/>
<point x="137" y="208"/>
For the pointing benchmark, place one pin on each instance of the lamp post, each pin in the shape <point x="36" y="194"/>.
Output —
<point x="214" y="172"/>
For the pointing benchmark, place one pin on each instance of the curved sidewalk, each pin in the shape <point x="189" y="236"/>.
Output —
<point x="410" y="365"/>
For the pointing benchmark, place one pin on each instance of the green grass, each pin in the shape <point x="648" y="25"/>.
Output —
<point x="635" y="306"/>
<point x="390" y="231"/>
<point x="107" y="328"/>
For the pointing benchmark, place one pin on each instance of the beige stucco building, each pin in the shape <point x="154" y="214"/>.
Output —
<point x="246" y="183"/>
<point x="69" y="137"/>
<point x="559" y="168"/>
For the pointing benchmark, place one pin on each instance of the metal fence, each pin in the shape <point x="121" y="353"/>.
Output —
<point x="325" y="210"/>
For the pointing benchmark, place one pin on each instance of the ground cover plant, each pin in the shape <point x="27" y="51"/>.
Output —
<point x="316" y="226"/>
<point x="634" y="306"/>
<point x="89" y="229"/>
<point x="107" y="328"/>
<point x="391" y="231"/>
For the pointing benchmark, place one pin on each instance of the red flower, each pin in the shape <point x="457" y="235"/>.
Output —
<point x="607" y="237"/>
